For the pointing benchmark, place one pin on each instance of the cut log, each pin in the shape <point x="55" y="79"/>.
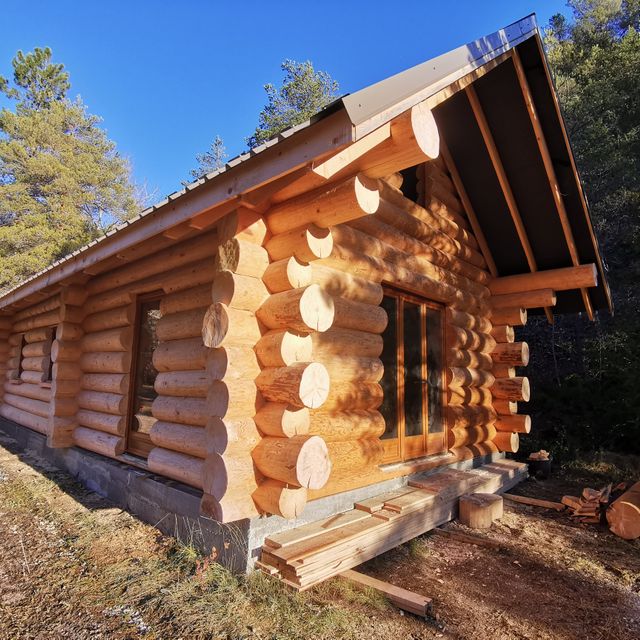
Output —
<point x="242" y="257"/>
<point x="279" y="348"/>
<point x="465" y="436"/>
<point x="113" y="403"/>
<point x="503" y="333"/>
<point x="514" y="389"/>
<point x="99" y="442"/>
<point x="469" y="359"/>
<point x="186" y="299"/>
<point x="350" y="314"/>
<point x="305" y="310"/>
<point x="302" y="461"/>
<point x="463" y="377"/>
<point x="516" y="316"/>
<point x="192" y="384"/>
<point x="479" y="510"/>
<point x="283" y="421"/>
<point x="180" y="355"/>
<point x="191" y="411"/>
<point x="285" y="274"/>
<point x="353" y="368"/>
<point x="118" y="317"/>
<point x="505" y="407"/>
<point x="304" y="243"/>
<point x="349" y="396"/>
<point x="107" y="382"/>
<point x="516" y="423"/>
<point x="583" y="276"/>
<point x="237" y="291"/>
<point x="35" y="349"/>
<point x="348" y="342"/>
<point x="344" y="285"/>
<point x="113" y="362"/>
<point x="479" y="324"/>
<point x="300" y="384"/>
<point x="224" y="325"/>
<point x="514" y="354"/>
<point x="355" y="197"/>
<point x="25" y="418"/>
<point x="509" y="442"/>
<point x="274" y="497"/>
<point x="178" y="466"/>
<point x="115" y="425"/>
<point x="243" y="223"/>
<point x="343" y="426"/>
<point x="623" y="515"/>
<point x="179" y="437"/>
<point x="36" y="407"/>
<point x="525" y="300"/>
<point x="119" y="339"/>
<point x="184" y="324"/>
<point x="69" y="331"/>
<point x="63" y="351"/>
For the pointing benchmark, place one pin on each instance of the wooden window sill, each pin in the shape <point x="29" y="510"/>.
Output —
<point x="45" y="385"/>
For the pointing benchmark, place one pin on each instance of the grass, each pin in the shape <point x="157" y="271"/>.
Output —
<point x="165" y="588"/>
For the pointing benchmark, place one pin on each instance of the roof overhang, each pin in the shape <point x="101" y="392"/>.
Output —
<point x="251" y="178"/>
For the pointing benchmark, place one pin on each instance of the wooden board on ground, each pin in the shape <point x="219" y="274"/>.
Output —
<point x="402" y="598"/>
<point x="535" y="502"/>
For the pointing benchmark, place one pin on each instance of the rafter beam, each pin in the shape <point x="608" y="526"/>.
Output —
<point x="501" y="174"/>
<point x="551" y="173"/>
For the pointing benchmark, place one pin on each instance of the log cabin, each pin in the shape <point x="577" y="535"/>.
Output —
<point x="326" y="319"/>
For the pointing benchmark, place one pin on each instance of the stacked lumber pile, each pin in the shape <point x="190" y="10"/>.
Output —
<point x="307" y="555"/>
<point x="589" y="506"/>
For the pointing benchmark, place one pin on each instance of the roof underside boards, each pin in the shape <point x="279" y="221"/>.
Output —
<point x="504" y="107"/>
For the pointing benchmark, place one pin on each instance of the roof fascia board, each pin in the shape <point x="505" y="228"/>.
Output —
<point x="369" y="108"/>
<point x="329" y="135"/>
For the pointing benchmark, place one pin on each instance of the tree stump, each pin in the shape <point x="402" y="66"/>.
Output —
<point x="479" y="510"/>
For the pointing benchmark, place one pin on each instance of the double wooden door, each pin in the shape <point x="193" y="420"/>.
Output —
<point x="413" y="381"/>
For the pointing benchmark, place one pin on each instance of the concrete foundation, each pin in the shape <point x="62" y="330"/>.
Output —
<point x="174" y="508"/>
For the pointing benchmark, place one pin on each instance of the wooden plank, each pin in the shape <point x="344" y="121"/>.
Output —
<point x="546" y="504"/>
<point x="371" y="505"/>
<point x="402" y="598"/>
<point x="551" y="173"/>
<point x="501" y="174"/>
<point x="409" y="501"/>
<point x="305" y="532"/>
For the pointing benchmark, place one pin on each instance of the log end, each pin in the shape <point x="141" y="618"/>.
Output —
<point x="317" y="308"/>
<point x="367" y="194"/>
<point x="314" y="385"/>
<point x="425" y="130"/>
<point x="313" y="466"/>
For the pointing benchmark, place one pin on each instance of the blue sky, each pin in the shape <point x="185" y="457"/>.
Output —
<point x="166" y="77"/>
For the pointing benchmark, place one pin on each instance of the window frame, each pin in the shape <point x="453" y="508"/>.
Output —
<point x="405" y="448"/>
<point x="136" y="443"/>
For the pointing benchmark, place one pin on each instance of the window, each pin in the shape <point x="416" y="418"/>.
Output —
<point x="144" y="376"/>
<point x="48" y="374"/>
<point x="413" y="381"/>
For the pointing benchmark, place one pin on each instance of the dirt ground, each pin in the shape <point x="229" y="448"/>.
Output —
<point x="73" y="566"/>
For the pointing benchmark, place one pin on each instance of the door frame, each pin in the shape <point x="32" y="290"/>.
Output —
<point x="404" y="448"/>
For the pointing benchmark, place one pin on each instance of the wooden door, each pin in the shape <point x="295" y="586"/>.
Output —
<point x="413" y="381"/>
<point x="142" y="392"/>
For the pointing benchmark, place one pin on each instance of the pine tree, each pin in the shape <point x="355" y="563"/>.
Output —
<point x="304" y="92"/>
<point x="62" y="182"/>
<point x="211" y="160"/>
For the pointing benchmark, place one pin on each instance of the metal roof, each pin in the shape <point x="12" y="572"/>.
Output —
<point x="379" y="103"/>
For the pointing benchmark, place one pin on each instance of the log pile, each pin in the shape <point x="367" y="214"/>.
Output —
<point x="623" y="515"/>
<point x="590" y="505"/>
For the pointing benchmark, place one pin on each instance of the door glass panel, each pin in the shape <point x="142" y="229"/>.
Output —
<point x="413" y="369"/>
<point x="389" y="357"/>
<point x="434" y="369"/>
<point x="145" y="373"/>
